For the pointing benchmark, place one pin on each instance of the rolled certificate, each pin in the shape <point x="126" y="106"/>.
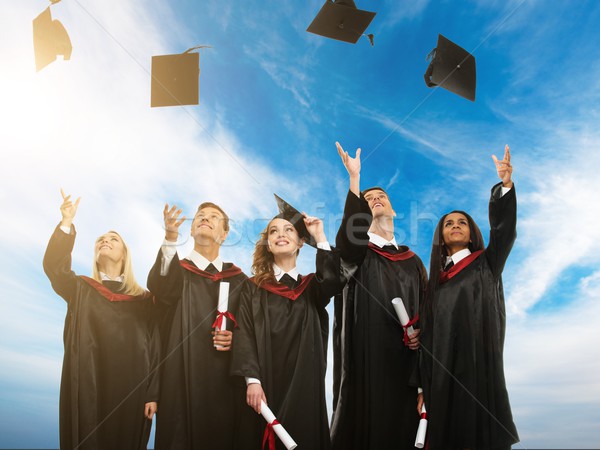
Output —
<point x="422" y="430"/>
<point x="402" y="314"/>
<point x="222" y="307"/>
<point x="277" y="428"/>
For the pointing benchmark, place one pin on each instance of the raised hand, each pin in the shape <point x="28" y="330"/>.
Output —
<point x="315" y="227"/>
<point x="352" y="165"/>
<point x="504" y="168"/>
<point x="172" y="222"/>
<point x="68" y="209"/>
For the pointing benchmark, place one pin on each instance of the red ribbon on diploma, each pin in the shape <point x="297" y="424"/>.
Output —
<point x="411" y="322"/>
<point x="269" y="435"/>
<point x="424" y="415"/>
<point x="219" y="320"/>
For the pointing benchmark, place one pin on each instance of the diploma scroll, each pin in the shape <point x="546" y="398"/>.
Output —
<point x="402" y="314"/>
<point x="222" y="307"/>
<point x="422" y="430"/>
<point x="277" y="428"/>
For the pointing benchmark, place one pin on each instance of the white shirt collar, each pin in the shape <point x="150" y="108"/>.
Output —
<point x="202" y="263"/>
<point x="278" y="271"/>
<point x="105" y="277"/>
<point x="459" y="255"/>
<point x="380" y="241"/>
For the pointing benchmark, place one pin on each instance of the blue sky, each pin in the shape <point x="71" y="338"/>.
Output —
<point x="273" y="101"/>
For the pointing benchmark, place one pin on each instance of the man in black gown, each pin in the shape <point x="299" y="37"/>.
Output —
<point x="200" y="403"/>
<point x="375" y="384"/>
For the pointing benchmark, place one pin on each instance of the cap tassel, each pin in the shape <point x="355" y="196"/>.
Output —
<point x="429" y="70"/>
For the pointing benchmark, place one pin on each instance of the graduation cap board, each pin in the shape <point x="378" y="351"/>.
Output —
<point x="341" y="20"/>
<point x="452" y="68"/>
<point x="175" y="78"/>
<point x="295" y="217"/>
<point x="50" y="39"/>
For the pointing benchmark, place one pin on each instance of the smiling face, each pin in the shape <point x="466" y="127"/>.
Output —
<point x="209" y="224"/>
<point x="379" y="203"/>
<point x="282" y="238"/>
<point x="456" y="232"/>
<point x="109" y="248"/>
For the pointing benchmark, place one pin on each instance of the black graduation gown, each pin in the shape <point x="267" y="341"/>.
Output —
<point x="375" y="374"/>
<point x="199" y="403"/>
<point x="111" y="353"/>
<point x="469" y="407"/>
<point x="283" y="343"/>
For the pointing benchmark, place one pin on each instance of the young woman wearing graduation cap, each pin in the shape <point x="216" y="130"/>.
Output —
<point x="281" y="345"/>
<point x="463" y="325"/>
<point x="108" y="390"/>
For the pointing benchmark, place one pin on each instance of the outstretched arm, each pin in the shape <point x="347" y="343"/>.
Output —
<point x="172" y="222"/>
<point x="352" y="165"/>
<point x="68" y="209"/>
<point x="165" y="280"/>
<point x="504" y="168"/>
<point x="503" y="215"/>
<point x="57" y="259"/>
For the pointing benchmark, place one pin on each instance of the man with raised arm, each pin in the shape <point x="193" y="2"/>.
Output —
<point x="200" y="403"/>
<point x="375" y="361"/>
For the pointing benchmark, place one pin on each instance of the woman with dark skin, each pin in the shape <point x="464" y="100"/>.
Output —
<point x="463" y="324"/>
<point x="108" y="393"/>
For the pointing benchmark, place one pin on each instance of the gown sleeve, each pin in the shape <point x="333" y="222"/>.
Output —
<point x="244" y="361"/>
<point x="503" y="227"/>
<point x="330" y="275"/>
<point x="352" y="239"/>
<point x="57" y="263"/>
<point x="167" y="289"/>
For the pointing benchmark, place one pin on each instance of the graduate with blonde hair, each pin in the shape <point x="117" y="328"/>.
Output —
<point x="109" y="387"/>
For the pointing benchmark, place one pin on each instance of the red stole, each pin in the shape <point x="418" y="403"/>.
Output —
<point x="456" y="268"/>
<point x="284" y="291"/>
<point x="112" y="296"/>
<point x="392" y="256"/>
<point x="227" y="273"/>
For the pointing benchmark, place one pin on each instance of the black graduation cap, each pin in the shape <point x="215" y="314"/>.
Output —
<point x="452" y="68"/>
<point x="175" y="78"/>
<point x="49" y="40"/>
<point x="295" y="217"/>
<point x="341" y="20"/>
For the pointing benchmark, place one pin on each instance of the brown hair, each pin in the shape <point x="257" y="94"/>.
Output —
<point x="263" y="259"/>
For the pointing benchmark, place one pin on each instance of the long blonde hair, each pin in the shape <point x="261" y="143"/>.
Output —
<point x="130" y="286"/>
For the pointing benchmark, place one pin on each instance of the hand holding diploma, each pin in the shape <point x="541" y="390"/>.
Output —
<point x="411" y="336"/>
<point x="222" y="338"/>
<point x="422" y="430"/>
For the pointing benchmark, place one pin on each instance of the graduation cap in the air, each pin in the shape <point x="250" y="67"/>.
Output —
<point x="452" y="68"/>
<point x="175" y="78"/>
<point x="341" y="20"/>
<point x="49" y="39"/>
<point x="295" y="217"/>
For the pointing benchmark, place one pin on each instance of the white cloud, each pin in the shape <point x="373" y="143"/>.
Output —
<point x="559" y="225"/>
<point x="551" y="362"/>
